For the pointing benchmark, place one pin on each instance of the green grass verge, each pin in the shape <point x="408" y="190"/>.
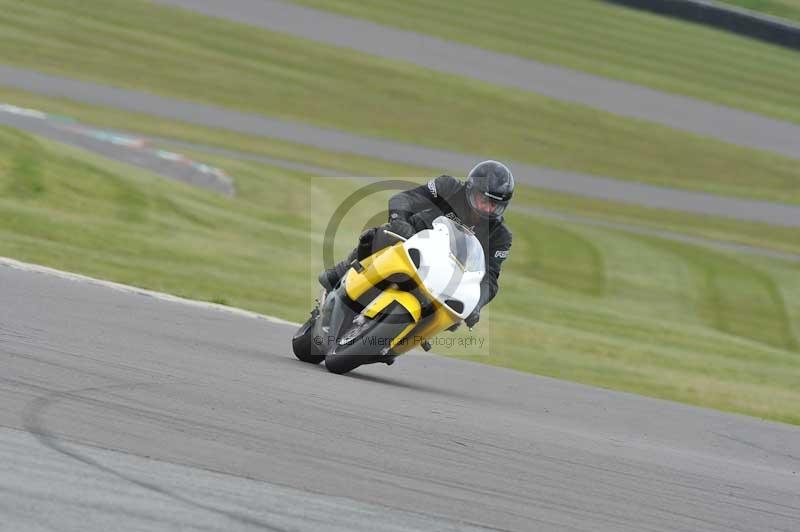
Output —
<point x="758" y="235"/>
<point x="611" y="41"/>
<point x="788" y="9"/>
<point x="728" y="230"/>
<point x="645" y="316"/>
<point x="595" y="306"/>
<point x="135" y="44"/>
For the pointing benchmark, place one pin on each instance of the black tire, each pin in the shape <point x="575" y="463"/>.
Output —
<point x="303" y="345"/>
<point x="344" y="363"/>
<point x="348" y="357"/>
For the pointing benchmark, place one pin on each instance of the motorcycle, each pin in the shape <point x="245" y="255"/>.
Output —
<point x="396" y="299"/>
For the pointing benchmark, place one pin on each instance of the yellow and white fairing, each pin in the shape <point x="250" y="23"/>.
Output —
<point x="451" y="265"/>
<point x="445" y="266"/>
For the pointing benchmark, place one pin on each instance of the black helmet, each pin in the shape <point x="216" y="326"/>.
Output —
<point x="490" y="186"/>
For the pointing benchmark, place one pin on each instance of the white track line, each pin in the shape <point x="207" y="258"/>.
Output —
<point x="24" y="266"/>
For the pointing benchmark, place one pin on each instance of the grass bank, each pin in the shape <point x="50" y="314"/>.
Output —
<point x="136" y="44"/>
<point x="727" y="230"/>
<point x="612" y="41"/>
<point x="595" y="306"/>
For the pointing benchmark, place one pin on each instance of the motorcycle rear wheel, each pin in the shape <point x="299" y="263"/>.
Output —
<point x="303" y="343"/>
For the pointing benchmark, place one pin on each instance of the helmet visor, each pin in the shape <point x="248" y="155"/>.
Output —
<point x="485" y="206"/>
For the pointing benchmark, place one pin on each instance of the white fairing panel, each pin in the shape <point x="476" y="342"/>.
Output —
<point x="452" y="264"/>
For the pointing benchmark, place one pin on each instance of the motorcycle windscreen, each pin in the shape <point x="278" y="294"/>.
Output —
<point x="451" y="264"/>
<point x="464" y="246"/>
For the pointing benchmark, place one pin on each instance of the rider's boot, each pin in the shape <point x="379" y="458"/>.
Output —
<point x="330" y="278"/>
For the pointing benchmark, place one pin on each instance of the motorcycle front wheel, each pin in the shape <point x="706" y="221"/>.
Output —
<point x="363" y="343"/>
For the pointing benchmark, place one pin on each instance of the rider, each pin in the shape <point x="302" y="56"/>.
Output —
<point x="478" y="203"/>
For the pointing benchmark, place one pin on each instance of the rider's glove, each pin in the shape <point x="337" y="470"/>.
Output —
<point x="402" y="228"/>
<point x="473" y="318"/>
<point x="424" y="219"/>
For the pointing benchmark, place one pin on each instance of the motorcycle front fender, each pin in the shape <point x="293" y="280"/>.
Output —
<point x="390" y="295"/>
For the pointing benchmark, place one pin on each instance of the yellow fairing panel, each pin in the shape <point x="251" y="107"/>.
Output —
<point x="430" y="326"/>
<point x="409" y="302"/>
<point x="378" y="267"/>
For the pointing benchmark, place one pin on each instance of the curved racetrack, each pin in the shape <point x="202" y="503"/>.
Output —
<point x="123" y="411"/>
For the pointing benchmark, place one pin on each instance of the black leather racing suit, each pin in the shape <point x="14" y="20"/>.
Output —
<point x="446" y="196"/>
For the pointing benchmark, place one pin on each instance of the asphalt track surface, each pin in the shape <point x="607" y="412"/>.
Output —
<point x="618" y="97"/>
<point x="122" y="411"/>
<point x="340" y="141"/>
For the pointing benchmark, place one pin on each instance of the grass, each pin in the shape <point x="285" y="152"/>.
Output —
<point x="650" y="317"/>
<point x="114" y="119"/>
<point x="728" y="230"/>
<point x="788" y="9"/>
<point x="173" y="52"/>
<point x="86" y="214"/>
<point x="612" y="41"/>
<point x="596" y="306"/>
<point x="758" y="235"/>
